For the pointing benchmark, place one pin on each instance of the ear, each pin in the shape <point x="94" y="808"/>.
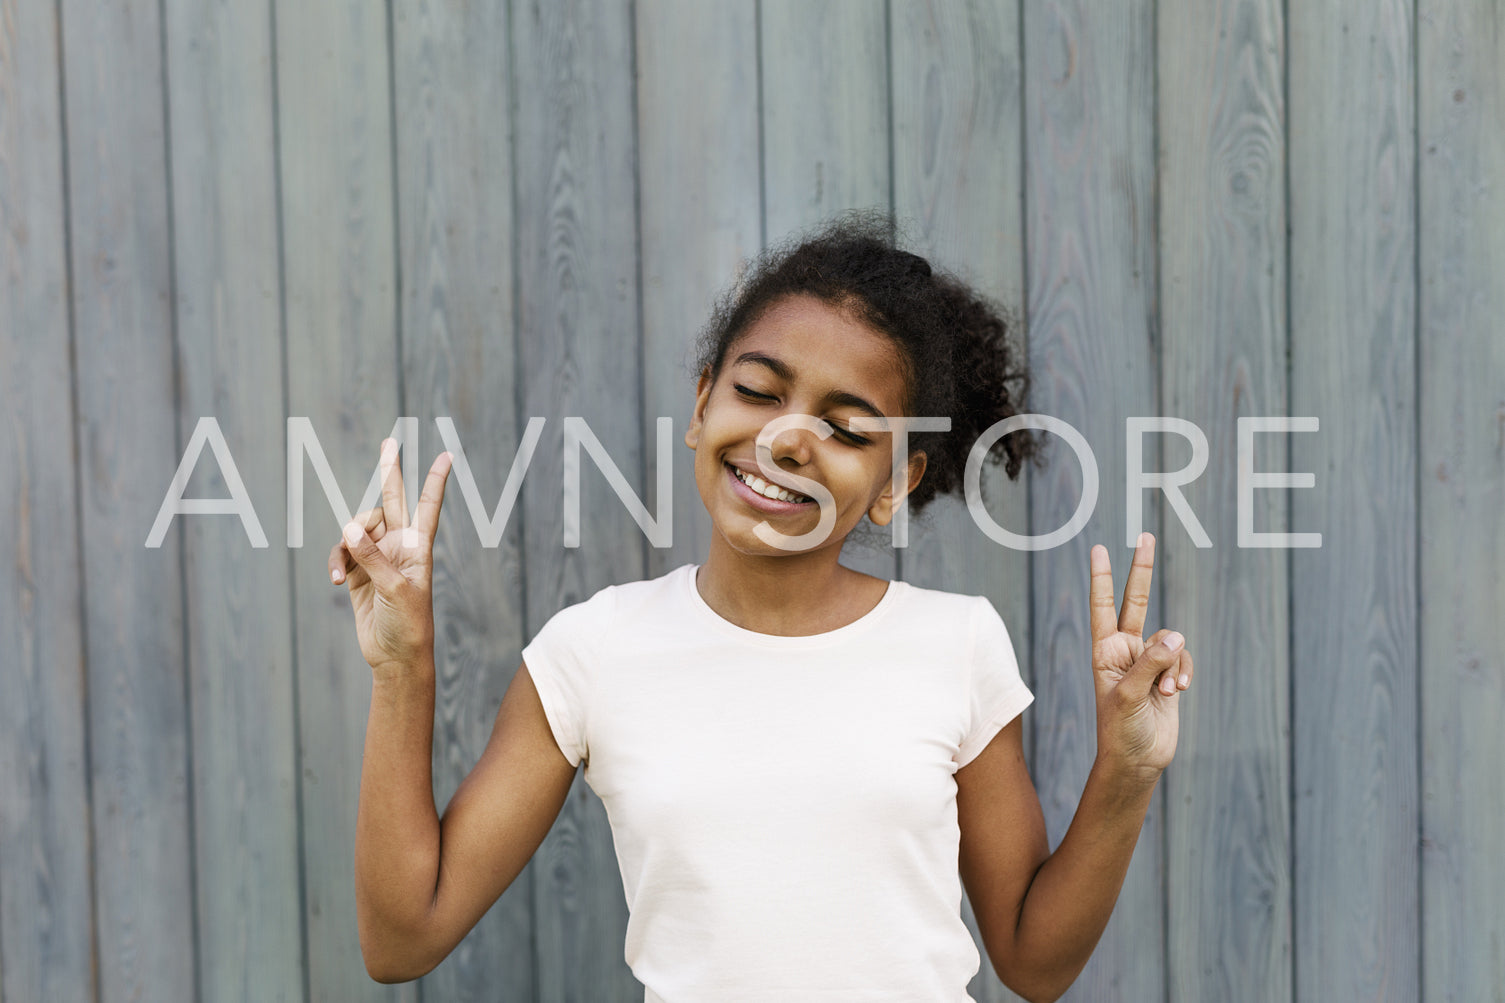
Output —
<point x="882" y="510"/>
<point x="697" y="418"/>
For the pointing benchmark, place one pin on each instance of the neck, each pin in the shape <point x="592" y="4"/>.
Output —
<point x="790" y="594"/>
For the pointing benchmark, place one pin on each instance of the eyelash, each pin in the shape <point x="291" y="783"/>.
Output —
<point x="849" y="436"/>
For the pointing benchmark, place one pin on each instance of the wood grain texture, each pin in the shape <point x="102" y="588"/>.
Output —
<point x="958" y="186"/>
<point x="1354" y="606"/>
<point x="567" y="187"/>
<point x="133" y="595"/>
<point x="1461" y="357"/>
<point x="240" y="658"/>
<point x="454" y="179"/>
<point x="339" y="274"/>
<point x="1089" y="214"/>
<point x="1223" y="288"/>
<point x="698" y="156"/>
<point x="825" y="98"/>
<point x="46" y="930"/>
<point x="578" y="343"/>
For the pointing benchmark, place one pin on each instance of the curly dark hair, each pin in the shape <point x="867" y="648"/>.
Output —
<point x="955" y="345"/>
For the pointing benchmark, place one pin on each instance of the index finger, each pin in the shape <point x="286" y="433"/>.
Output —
<point x="1137" y="588"/>
<point x="1100" y="595"/>
<point x="394" y="498"/>
<point x="426" y="516"/>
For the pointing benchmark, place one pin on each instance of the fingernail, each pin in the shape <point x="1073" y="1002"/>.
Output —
<point x="352" y="534"/>
<point x="1174" y="641"/>
<point x="1185" y="679"/>
<point x="334" y="576"/>
<point x="1167" y="687"/>
<point x="1144" y="538"/>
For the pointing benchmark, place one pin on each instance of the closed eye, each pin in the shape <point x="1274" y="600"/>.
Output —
<point x="841" y="433"/>
<point x="752" y="394"/>
<point x="852" y="437"/>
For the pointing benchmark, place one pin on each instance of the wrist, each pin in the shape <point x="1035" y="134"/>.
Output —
<point x="1124" y="775"/>
<point x="419" y="668"/>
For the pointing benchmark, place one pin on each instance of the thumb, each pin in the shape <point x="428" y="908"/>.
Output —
<point x="1156" y="658"/>
<point x="368" y="555"/>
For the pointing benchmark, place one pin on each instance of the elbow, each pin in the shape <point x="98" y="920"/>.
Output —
<point x="1033" y="986"/>
<point x="389" y="970"/>
<point x="387" y="976"/>
<point x="1034" y="993"/>
<point x="1049" y="996"/>
<point x="392" y="957"/>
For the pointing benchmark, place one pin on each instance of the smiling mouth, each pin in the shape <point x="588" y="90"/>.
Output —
<point x="759" y="486"/>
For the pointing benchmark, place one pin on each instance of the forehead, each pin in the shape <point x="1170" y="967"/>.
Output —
<point x="828" y="348"/>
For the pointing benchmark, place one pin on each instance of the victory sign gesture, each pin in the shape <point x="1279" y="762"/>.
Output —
<point x="389" y="564"/>
<point x="1138" y="682"/>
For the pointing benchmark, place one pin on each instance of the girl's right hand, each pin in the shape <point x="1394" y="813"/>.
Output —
<point x="389" y="566"/>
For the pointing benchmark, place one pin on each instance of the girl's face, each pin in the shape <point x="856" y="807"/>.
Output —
<point x="802" y="356"/>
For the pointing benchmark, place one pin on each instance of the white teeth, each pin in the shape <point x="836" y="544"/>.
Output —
<point x="766" y="489"/>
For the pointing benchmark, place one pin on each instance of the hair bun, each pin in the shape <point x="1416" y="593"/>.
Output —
<point x="917" y="264"/>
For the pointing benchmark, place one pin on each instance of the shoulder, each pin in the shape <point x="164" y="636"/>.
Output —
<point x="615" y="604"/>
<point x="950" y="608"/>
<point x="953" y="624"/>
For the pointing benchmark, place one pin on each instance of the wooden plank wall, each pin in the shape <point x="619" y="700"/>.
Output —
<point x="352" y="212"/>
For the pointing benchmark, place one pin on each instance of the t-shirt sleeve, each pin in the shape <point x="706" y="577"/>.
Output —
<point x="996" y="690"/>
<point x="560" y="659"/>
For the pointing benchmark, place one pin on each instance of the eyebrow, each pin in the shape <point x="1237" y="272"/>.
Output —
<point x="782" y="371"/>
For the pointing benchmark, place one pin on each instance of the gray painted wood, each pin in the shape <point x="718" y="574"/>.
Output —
<point x="132" y="595"/>
<point x="578" y="351"/>
<point x="1461" y="357"/>
<point x="1025" y="161"/>
<point x="46" y="933"/>
<point x="339" y="277"/>
<point x="1089" y="214"/>
<point x="827" y="154"/>
<point x="245" y="792"/>
<point x="454" y="183"/>
<point x="1224" y="343"/>
<point x="1354" y="609"/>
<point x="958" y="184"/>
<point x="698" y="154"/>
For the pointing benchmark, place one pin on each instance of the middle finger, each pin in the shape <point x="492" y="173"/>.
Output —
<point x="1137" y="588"/>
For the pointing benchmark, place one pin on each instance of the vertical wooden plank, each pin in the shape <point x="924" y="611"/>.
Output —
<point x="1089" y="179"/>
<point x="339" y="275"/>
<point x="455" y="208"/>
<point x="957" y="184"/>
<point x="1222" y="231"/>
<point x="239" y="642"/>
<point x="46" y="932"/>
<point x="699" y="175"/>
<point x="133" y="598"/>
<point x="1354" y="669"/>
<point x="826" y="144"/>
<point x="1461" y="103"/>
<point x="579" y="345"/>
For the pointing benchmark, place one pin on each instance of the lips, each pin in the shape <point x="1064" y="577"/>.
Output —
<point x="759" y="500"/>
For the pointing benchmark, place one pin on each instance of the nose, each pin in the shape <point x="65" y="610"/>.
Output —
<point x="789" y="437"/>
<point x="791" y="444"/>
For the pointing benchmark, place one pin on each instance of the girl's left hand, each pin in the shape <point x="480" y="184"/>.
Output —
<point x="1138" y="682"/>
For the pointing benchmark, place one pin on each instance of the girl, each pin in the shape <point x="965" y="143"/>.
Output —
<point x="802" y="764"/>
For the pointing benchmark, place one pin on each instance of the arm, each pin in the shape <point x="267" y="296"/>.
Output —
<point x="422" y="883"/>
<point x="1041" y="914"/>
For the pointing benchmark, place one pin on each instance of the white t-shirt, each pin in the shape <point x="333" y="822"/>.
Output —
<point x="783" y="808"/>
